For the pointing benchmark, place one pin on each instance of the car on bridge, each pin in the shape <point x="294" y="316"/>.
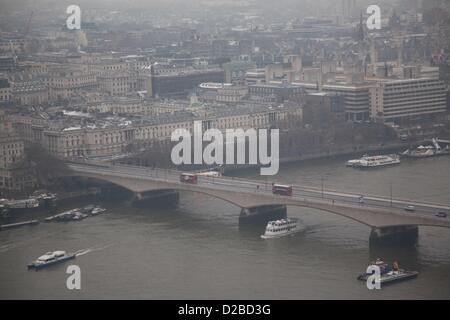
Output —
<point x="441" y="214"/>
<point x="188" y="178"/>
<point x="281" y="189"/>
<point x="410" y="208"/>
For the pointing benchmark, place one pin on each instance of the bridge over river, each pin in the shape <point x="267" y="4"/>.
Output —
<point x="385" y="216"/>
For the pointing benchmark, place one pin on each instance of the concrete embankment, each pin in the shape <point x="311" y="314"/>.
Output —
<point x="19" y="224"/>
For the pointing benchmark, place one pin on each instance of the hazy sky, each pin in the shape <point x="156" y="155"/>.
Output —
<point x="272" y="8"/>
<point x="158" y="3"/>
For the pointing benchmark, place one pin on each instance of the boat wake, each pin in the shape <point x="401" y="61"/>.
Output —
<point x="92" y="249"/>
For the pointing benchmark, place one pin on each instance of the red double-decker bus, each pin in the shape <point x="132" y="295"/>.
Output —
<point x="188" y="178"/>
<point x="281" y="189"/>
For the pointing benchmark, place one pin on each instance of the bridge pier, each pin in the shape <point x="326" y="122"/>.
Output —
<point x="156" y="198"/>
<point x="402" y="234"/>
<point x="260" y="215"/>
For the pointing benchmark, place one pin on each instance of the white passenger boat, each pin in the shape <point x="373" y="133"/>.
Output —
<point x="374" y="161"/>
<point x="280" y="228"/>
<point x="50" y="258"/>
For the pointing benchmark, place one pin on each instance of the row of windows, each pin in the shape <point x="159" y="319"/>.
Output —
<point x="11" y="152"/>
<point x="116" y="67"/>
<point x="414" y="104"/>
<point x="8" y="159"/>
<point x="390" y="87"/>
<point x="72" y="80"/>
<point x="410" y="110"/>
<point x="98" y="151"/>
<point x="280" y="229"/>
<point x="414" y="93"/>
<point x="421" y="112"/>
<point x="11" y="146"/>
<point x="108" y="140"/>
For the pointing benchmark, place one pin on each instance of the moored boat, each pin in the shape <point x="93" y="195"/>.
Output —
<point x="374" y="161"/>
<point x="45" y="199"/>
<point x="88" y="209"/>
<point x="22" y="205"/>
<point x="428" y="150"/>
<point x="97" y="210"/>
<point x="36" y="202"/>
<point x="74" y="214"/>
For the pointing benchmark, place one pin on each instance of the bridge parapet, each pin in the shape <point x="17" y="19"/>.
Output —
<point x="251" y="193"/>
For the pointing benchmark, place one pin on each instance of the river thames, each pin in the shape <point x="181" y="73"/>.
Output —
<point x="198" y="252"/>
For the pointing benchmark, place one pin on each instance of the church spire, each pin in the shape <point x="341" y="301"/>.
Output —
<point x="360" y="32"/>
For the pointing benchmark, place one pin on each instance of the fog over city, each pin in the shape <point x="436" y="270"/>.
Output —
<point x="224" y="149"/>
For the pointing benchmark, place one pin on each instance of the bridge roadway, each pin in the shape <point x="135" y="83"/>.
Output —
<point x="374" y="211"/>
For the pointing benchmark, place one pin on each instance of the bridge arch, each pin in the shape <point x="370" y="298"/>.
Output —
<point x="274" y="203"/>
<point x="212" y="194"/>
<point x="102" y="179"/>
<point x="128" y="187"/>
<point x="372" y="217"/>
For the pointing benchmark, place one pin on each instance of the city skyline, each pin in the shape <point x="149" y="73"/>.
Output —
<point x="224" y="150"/>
